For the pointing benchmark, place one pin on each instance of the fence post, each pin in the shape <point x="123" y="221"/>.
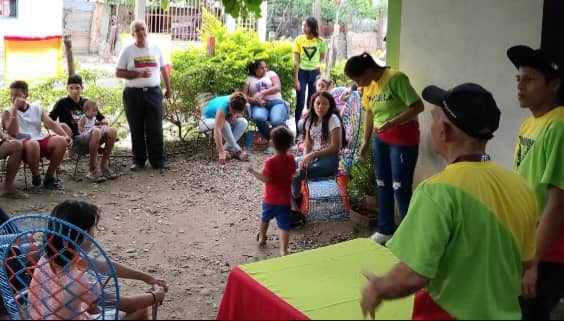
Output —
<point x="211" y="45"/>
<point x="68" y="51"/>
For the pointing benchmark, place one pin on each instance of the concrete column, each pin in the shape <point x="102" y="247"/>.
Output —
<point x="140" y="9"/>
<point x="230" y="23"/>
<point x="316" y="11"/>
<point x="261" y="23"/>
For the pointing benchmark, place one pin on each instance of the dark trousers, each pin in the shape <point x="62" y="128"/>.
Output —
<point x="144" y="112"/>
<point x="394" y="170"/>
<point x="550" y="288"/>
<point x="307" y="80"/>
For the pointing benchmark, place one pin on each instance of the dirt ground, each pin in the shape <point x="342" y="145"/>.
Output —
<point x="190" y="224"/>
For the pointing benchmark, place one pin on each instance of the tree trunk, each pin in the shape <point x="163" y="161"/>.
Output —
<point x="68" y="51"/>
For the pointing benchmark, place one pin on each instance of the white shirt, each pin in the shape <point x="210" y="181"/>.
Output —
<point x="139" y="59"/>
<point x="29" y="121"/>
<point x="258" y="84"/>
<point x="315" y="132"/>
<point x="89" y="124"/>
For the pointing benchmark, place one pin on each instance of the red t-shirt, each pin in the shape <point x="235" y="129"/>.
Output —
<point x="280" y="168"/>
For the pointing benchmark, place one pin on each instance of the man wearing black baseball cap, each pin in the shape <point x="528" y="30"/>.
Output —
<point x="469" y="230"/>
<point x="539" y="158"/>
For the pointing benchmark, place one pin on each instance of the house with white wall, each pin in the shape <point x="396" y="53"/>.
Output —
<point x="448" y="42"/>
<point x="33" y="18"/>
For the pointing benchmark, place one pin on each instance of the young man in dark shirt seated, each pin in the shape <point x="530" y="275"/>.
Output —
<point x="68" y="111"/>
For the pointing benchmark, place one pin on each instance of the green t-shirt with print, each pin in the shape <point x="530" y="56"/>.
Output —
<point x="310" y="51"/>
<point x="389" y="96"/>
<point x="539" y="158"/>
<point x="539" y="152"/>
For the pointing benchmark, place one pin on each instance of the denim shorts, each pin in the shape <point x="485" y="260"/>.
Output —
<point x="281" y="212"/>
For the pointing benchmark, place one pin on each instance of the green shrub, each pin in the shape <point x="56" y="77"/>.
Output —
<point x="338" y="74"/>
<point x="194" y="71"/>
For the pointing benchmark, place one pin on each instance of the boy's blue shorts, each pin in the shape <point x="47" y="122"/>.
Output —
<point x="281" y="212"/>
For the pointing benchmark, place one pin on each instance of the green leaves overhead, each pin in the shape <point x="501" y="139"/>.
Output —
<point x="235" y="8"/>
<point x="242" y="8"/>
<point x="164" y="4"/>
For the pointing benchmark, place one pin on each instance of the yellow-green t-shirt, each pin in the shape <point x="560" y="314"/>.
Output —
<point x="468" y="229"/>
<point x="389" y="96"/>
<point x="539" y="158"/>
<point x="310" y="51"/>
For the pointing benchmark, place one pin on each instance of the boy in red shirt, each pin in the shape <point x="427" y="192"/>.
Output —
<point x="277" y="175"/>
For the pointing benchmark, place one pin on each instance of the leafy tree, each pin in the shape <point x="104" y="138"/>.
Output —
<point x="303" y="8"/>
<point x="235" y="8"/>
<point x="242" y="7"/>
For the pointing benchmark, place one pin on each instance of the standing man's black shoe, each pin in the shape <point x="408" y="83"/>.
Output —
<point x="136" y="167"/>
<point x="161" y="166"/>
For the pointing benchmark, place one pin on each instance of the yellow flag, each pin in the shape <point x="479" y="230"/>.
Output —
<point x="30" y="58"/>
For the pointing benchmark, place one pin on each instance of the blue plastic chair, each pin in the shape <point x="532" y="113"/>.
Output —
<point x="24" y="242"/>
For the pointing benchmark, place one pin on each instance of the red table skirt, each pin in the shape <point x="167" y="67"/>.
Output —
<point x="246" y="299"/>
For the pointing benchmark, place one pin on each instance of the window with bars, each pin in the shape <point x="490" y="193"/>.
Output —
<point x="8" y="8"/>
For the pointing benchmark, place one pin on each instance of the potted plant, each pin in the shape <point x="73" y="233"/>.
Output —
<point x="362" y="191"/>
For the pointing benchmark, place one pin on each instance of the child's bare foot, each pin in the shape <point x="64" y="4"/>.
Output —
<point x="261" y="241"/>
<point x="283" y="252"/>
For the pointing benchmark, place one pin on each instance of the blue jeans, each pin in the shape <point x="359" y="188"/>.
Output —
<point x="394" y="175"/>
<point x="231" y="133"/>
<point x="275" y="111"/>
<point x="319" y="167"/>
<point x="307" y="79"/>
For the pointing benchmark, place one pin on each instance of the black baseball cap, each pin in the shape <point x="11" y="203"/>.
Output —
<point x="468" y="106"/>
<point x="535" y="58"/>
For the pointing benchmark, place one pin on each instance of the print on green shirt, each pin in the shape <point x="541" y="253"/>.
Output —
<point x="310" y="52"/>
<point x="523" y="148"/>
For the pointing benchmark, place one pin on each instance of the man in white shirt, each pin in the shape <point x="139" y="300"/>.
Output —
<point x="23" y="120"/>
<point x="141" y="65"/>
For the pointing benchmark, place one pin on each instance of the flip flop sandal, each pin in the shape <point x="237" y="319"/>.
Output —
<point x="241" y="155"/>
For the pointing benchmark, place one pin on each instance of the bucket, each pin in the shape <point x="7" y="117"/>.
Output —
<point x="250" y="139"/>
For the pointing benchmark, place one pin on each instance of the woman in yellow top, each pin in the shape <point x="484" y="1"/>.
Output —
<point x="391" y="106"/>
<point x="309" y="52"/>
